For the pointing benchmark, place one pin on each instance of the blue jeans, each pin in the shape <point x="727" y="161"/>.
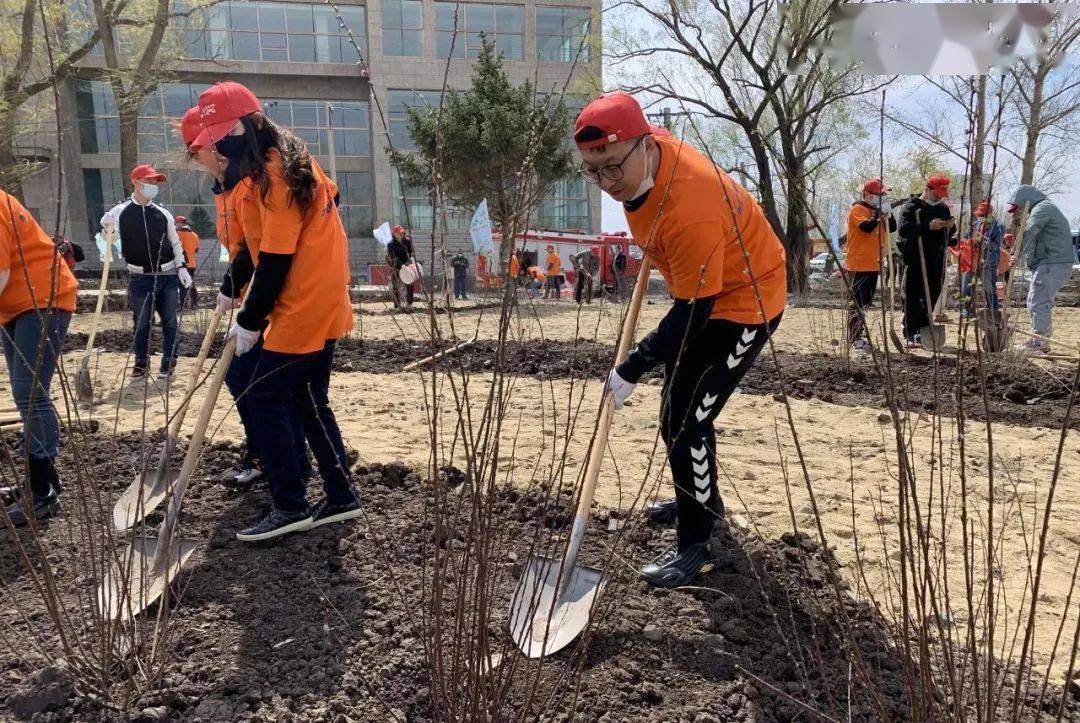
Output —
<point x="285" y="386"/>
<point x="238" y="379"/>
<point x="461" y="286"/>
<point x="990" y="262"/>
<point x="148" y="293"/>
<point x="22" y="338"/>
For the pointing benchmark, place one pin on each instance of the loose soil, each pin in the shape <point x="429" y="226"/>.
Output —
<point x="1017" y="392"/>
<point x="327" y="625"/>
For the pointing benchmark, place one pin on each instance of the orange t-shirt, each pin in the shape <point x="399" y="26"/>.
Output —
<point x="229" y="231"/>
<point x="864" y="247"/>
<point x="190" y="241"/>
<point x="694" y="243"/>
<point x="515" y="266"/>
<point x="554" y="264"/>
<point x="38" y="273"/>
<point x="313" y="306"/>
<point x="537" y="273"/>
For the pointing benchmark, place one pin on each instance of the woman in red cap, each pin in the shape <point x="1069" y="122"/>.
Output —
<point x="296" y="308"/>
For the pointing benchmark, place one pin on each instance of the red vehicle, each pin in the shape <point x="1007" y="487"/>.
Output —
<point x="533" y="247"/>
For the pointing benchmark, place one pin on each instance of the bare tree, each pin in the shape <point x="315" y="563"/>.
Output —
<point x="762" y="77"/>
<point x="1046" y="98"/>
<point x="22" y="78"/>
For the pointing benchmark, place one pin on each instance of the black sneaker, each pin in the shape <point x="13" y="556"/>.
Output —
<point x="275" y="524"/>
<point x="140" y="372"/>
<point x="662" y="512"/>
<point x="675" y="568"/>
<point x="44" y="508"/>
<point x="166" y="374"/>
<point x="326" y="513"/>
<point x="242" y="477"/>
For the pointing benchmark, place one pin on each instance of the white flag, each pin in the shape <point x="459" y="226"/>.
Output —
<point x="480" y="230"/>
<point x="383" y="234"/>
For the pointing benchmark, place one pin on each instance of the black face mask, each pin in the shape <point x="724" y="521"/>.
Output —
<point x="232" y="147"/>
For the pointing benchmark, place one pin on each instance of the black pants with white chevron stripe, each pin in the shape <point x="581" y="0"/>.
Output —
<point x="697" y="386"/>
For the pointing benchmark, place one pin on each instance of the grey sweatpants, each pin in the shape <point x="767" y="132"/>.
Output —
<point x="1046" y="281"/>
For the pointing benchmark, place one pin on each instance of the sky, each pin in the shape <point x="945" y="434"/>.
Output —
<point x="905" y="91"/>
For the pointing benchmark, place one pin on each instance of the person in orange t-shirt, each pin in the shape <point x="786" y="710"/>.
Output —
<point x="869" y="222"/>
<point x="515" y="267"/>
<point x="230" y="196"/>
<point x="295" y="310"/>
<point x="725" y="268"/>
<point x="554" y="275"/>
<point x="37" y="299"/>
<point x="537" y="277"/>
<point x="190" y="241"/>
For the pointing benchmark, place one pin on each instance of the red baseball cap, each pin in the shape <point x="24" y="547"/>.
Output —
<point x="940" y="183"/>
<point x="146" y="172"/>
<point x="220" y="106"/>
<point x="181" y="219"/>
<point x="875" y="186"/>
<point x="399" y="229"/>
<point x="190" y="127"/>
<point x="619" y="118"/>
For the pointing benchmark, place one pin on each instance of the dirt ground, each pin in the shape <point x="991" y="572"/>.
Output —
<point x="844" y="434"/>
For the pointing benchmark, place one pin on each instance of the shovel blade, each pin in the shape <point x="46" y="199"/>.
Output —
<point x="84" y="386"/>
<point x="933" y="337"/>
<point x="992" y="328"/>
<point x="543" y="621"/>
<point x="135" y="583"/>
<point x="142" y="497"/>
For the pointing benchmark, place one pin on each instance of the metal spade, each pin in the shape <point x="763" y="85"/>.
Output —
<point x="146" y="492"/>
<point x="555" y="596"/>
<point x="143" y="570"/>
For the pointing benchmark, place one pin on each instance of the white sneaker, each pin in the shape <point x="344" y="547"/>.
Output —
<point x="242" y="477"/>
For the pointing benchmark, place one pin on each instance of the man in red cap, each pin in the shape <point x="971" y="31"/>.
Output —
<point x="154" y="256"/>
<point x="925" y="222"/>
<point x="869" y="222"/>
<point x="988" y="238"/>
<point x="725" y="268"/>
<point x="399" y="253"/>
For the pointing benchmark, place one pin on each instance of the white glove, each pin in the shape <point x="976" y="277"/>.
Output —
<point x="886" y="207"/>
<point x="184" y="276"/>
<point x="620" y="389"/>
<point x="108" y="222"/>
<point x="225" y="304"/>
<point x="245" y="338"/>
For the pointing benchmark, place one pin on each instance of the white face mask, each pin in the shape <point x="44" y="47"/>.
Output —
<point x="149" y="190"/>
<point x="647" y="182"/>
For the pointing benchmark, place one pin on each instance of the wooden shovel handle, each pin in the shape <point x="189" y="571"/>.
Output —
<point x="109" y="237"/>
<point x="198" y="437"/>
<point x="193" y="378"/>
<point x="607" y="410"/>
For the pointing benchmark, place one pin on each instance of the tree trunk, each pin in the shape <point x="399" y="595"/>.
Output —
<point x="11" y="176"/>
<point x="978" y="143"/>
<point x="1034" y="125"/>
<point x="128" y="111"/>
<point x="765" y="182"/>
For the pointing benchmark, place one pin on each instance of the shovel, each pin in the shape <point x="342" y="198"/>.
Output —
<point x="84" y="386"/>
<point x="554" y="597"/>
<point x="143" y="495"/>
<point x="932" y="335"/>
<point x="144" y="569"/>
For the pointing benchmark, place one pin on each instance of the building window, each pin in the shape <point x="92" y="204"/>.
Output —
<point x="502" y="24"/>
<point x="185" y="193"/>
<point x="275" y="32"/>
<point x="560" y="32"/>
<point x="398" y="117"/>
<point x="99" y="122"/>
<point x="402" y="27"/>
<point x="312" y="119"/>
<point x="566" y="206"/>
<point x="421" y="211"/>
<point x="356" y="196"/>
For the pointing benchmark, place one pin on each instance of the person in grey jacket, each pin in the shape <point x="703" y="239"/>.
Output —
<point x="1047" y="250"/>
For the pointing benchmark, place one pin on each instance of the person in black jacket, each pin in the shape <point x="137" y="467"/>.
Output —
<point x="399" y="252"/>
<point x="618" y="273"/>
<point x="460" y="264"/>
<point x="155" y="262"/>
<point x="925" y="220"/>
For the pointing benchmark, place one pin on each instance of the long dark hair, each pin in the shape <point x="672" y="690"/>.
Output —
<point x="260" y="135"/>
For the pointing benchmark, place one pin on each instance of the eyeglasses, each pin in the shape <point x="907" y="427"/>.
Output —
<point x="612" y="172"/>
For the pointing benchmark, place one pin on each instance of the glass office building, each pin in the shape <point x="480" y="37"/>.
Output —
<point x="301" y="61"/>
